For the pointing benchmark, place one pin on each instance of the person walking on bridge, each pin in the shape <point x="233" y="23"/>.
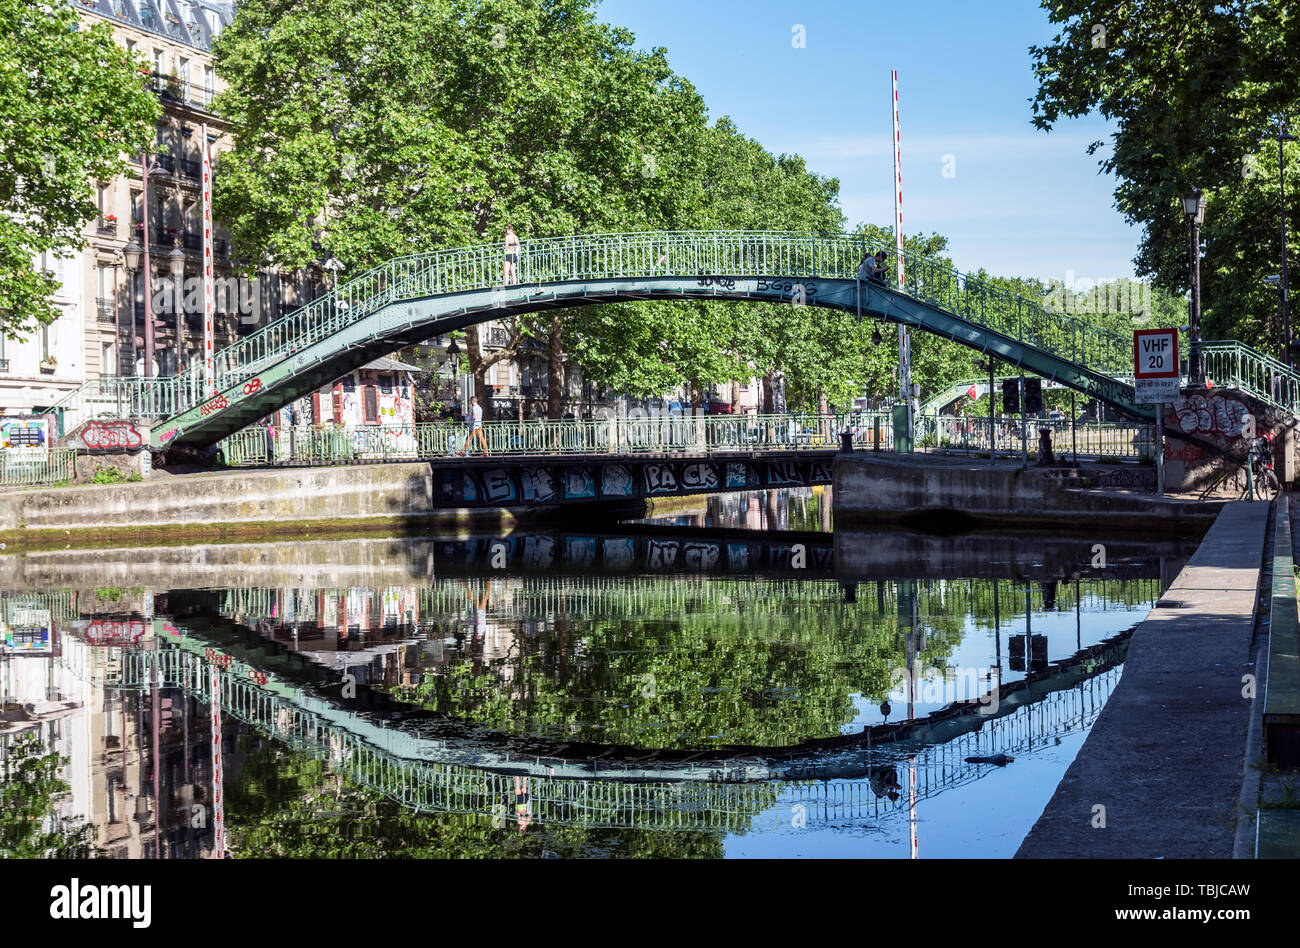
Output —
<point x="510" y="273"/>
<point x="475" y="421"/>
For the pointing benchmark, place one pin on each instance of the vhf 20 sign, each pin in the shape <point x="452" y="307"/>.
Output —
<point x="1155" y="365"/>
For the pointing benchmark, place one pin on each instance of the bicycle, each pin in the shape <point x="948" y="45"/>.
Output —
<point x="1262" y="482"/>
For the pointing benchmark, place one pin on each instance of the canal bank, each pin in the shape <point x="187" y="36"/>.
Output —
<point x="961" y="493"/>
<point x="932" y="493"/>
<point x="318" y="503"/>
<point x="1161" y="772"/>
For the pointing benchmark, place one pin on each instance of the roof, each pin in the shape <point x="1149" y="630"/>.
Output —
<point x="190" y="22"/>
<point x="384" y="364"/>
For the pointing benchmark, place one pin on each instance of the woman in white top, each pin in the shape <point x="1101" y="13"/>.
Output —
<point x="511" y="271"/>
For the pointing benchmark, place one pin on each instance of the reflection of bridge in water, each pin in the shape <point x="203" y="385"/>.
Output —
<point x="595" y="596"/>
<point x="472" y="777"/>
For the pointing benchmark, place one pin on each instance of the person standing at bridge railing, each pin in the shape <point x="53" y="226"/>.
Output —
<point x="475" y="422"/>
<point x="880" y="269"/>
<point x="510" y="273"/>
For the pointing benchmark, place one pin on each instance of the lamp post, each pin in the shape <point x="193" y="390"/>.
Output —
<point x="176" y="263"/>
<point x="1284" y="135"/>
<point x="131" y="256"/>
<point x="117" y="316"/>
<point x="1275" y="281"/>
<point x="1194" y="211"/>
<point x="147" y="169"/>
<point x="981" y="364"/>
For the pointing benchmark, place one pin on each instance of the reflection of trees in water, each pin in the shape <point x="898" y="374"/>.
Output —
<point x="30" y="789"/>
<point x="674" y="663"/>
<point x="285" y="803"/>
<point x="694" y="680"/>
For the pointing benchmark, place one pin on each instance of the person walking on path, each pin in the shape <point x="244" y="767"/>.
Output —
<point x="510" y="274"/>
<point x="475" y="420"/>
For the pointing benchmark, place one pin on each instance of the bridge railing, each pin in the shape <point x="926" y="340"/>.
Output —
<point x="592" y="257"/>
<point x="1230" y="363"/>
<point x="1092" y="439"/>
<point x="329" y="444"/>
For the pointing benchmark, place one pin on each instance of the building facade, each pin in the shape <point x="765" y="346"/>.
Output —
<point x="100" y="330"/>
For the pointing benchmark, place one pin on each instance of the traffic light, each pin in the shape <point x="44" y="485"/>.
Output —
<point x="1010" y="396"/>
<point x="1033" y="396"/>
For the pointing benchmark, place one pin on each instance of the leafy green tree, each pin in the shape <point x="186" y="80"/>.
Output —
<point x="367" y="130"/>
<point x="30" y="789"/>
<point x="1194" y="88"/>
<point x="71" y="103"/>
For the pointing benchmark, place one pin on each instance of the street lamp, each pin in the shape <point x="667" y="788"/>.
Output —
<point x="1275" y="281"/>
<point x="1284" y="135"/>
<point x="147" y="169"/>
<point x="131" y="255"/>
<point x="334" y="266"/>
<point x="1194" y="211"/>
<point x="176" y="263"/>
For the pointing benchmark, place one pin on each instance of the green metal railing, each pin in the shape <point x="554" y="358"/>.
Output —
<point x="630" y="256"/>
<point x="23" y="468"/>
<point x="620" y="435"/>
<point x="970" y="434"/>
<point x="1233" y="364"/>
<point x="647" y="255"/>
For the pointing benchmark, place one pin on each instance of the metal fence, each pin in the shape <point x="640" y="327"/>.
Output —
<point x="329" y="444"/>
<point x="1093" y="439"/>
<point x="30" y="467"/>
<point x="648" y="255"/>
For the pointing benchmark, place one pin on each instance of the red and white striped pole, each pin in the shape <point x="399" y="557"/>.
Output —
<point x="209" y="375"/>
<point x="898" y="183"/>
<point x="904" y="343"/>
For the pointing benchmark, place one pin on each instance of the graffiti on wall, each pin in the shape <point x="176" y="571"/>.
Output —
<point x="106" y="435"/>
<point x="1212" y="414"/>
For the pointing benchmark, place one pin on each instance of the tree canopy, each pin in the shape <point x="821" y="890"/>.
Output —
<point x="73" y="103"/>
<point x="1194" y="87"/>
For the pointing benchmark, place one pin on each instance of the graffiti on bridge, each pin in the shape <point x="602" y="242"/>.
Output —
<point x="529" y="482"/>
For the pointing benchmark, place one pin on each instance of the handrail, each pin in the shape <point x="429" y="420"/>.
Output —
<point x="648" y="254"/>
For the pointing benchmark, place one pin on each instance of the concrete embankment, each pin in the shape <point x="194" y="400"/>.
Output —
<point x="1161" y="771"/>
<point x="960" y="492"/>
<point x="196" y="506"/>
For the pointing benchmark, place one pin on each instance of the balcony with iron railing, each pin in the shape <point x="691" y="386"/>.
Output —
<point x="175" y="89"/>
<point x="106" y="309"/>
<point x="107" y="226"/>
<point x="4" y="365"/>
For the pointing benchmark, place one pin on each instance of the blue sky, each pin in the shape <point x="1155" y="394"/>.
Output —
<point x="1020" y="203"/>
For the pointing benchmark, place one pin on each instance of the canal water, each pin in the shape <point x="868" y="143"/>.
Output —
<point x="711" y="681"/>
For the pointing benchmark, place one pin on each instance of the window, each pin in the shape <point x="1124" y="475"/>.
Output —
<point x="108" y="365"/>
<point x="158" y="61"/>
<point x="104" y="282"/>
<point x="103" y="199"/>
<point x="386" y="384"/>
<point x="183" y="71"/>
<point x="208" y="85"/>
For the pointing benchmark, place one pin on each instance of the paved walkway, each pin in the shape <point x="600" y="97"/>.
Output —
<point x="1166" y="756"/>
